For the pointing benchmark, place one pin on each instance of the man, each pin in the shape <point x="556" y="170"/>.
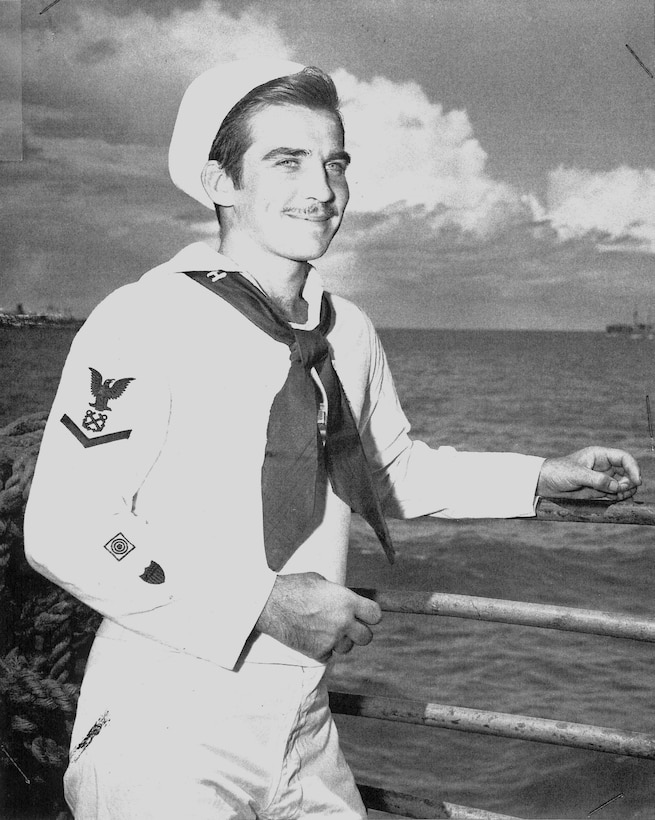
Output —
<point x="199" y="466"/>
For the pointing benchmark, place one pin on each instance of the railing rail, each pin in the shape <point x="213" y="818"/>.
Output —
<point x="500" y="724"/>
<point x="545" y="616"/>
<point x="409" y="805"/>
<point x="577" y="510"/>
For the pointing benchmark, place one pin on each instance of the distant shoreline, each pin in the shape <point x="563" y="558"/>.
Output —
<point x="38" y="320"/>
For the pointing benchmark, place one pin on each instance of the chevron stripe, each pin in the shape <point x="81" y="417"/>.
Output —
<point x="85" y="441"/>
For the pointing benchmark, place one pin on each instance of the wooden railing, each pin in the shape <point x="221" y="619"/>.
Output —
<point x="523" y="727"/>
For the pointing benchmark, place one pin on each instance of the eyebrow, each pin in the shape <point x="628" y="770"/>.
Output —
<point x="302" y="152"/>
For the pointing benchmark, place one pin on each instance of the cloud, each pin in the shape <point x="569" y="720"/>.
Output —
<point x="616" y="206"/>
<point x="431" y="238"/>
<point x="409" y="153"/>
<point x="121" y="77"/>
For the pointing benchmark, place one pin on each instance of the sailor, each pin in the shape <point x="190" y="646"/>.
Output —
<point x="215" y="424"/>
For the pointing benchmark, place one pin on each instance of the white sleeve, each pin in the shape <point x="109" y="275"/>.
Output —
<point x="416" y="480"/>
<point x="81" y="529"/>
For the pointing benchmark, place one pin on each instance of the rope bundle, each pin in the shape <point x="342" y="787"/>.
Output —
<point x="45" y="636"/>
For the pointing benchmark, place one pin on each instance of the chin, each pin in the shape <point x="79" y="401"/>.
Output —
<point x="308" y="255"/>
<point x="304" y="251"/>
<point x="309" y="249"/>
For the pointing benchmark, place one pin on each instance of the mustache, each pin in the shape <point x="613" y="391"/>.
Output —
<point x="315" y="212"/>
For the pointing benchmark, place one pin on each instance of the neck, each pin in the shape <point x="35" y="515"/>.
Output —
<point x="282" y="280"/>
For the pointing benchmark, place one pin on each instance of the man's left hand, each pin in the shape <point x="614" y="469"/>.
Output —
<point x="594" y="472"/>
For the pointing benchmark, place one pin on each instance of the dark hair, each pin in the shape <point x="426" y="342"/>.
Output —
<point x="310" y="88"/>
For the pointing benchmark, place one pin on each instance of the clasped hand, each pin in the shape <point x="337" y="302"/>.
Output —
<point x="593" y="472"/>
<point x="316" y="617"/>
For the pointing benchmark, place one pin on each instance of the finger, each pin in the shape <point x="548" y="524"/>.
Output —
<point x="631" y="470"/>
<point x="626" y="494"/>
<point x="343" y="645"/>
<point x="604" y="483"/>
<point x="620" y="461"/>
<point x="359" y="633"/>
<point x="367" y="611"/>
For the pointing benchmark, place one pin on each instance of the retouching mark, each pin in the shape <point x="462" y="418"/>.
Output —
<point x="49" y="6"/>
<point x="606" y="803"/>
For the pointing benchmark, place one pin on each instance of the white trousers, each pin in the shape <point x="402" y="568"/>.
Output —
<point x="162" y="736"/>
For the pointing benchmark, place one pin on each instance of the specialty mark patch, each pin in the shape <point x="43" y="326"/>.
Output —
<point x="95" y="422"/>
<point x="119" y="546"/>
<point x="153" y="574"/>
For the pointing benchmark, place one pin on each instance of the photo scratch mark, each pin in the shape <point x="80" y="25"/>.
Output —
<point x="11" y="759"/>
<point x="606" y="803"/>
<point x="49" y="6"/>
<point x="636" y="56"/>
<point x="646" y="69"/>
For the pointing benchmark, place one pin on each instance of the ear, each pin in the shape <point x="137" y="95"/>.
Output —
<point x="217" y="184"/>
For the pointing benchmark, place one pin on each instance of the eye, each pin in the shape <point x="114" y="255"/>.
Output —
<point x="336" y="168"/>
<point x="287" y="162"/>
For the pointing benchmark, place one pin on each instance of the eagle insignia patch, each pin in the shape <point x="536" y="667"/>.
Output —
<point x="106" y="390"/>
<point x="119" y="546"/>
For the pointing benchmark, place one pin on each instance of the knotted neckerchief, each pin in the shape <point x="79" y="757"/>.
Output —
<point x="296" y="462"/>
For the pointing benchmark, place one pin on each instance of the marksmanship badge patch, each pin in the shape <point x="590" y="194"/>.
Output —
<point x="119" y="546"/>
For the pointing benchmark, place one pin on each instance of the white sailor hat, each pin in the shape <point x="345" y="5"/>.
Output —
<point x="204" y="106"/>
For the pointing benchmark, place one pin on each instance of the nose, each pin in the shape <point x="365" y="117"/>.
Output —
<point x="316" y="183"/>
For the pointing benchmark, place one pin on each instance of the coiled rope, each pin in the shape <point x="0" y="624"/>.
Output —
<point x="45" y="636"/>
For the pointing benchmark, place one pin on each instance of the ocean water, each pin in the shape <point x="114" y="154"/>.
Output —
<point x="542" y="393"/>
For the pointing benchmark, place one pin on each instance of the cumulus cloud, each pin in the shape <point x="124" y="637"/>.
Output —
<point x="618" y="206"/>
<point x="429" y="230"/>
<point x="118" y="79"/>
<point x="409" y="153"/>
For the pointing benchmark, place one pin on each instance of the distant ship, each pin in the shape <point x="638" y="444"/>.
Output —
<point x="637" y="330"/>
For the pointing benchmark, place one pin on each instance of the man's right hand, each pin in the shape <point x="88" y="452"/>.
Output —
<point x="317" y="617"/>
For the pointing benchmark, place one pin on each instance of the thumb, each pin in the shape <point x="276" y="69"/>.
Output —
<point x="598" y="481"/>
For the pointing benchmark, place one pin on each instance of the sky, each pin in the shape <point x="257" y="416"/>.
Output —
<point x="503" y="171"/>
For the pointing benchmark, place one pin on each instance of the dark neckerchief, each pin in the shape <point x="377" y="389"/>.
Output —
<point x="296" y="463"/>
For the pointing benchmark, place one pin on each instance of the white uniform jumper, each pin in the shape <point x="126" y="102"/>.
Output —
<point x="146" y="505"/>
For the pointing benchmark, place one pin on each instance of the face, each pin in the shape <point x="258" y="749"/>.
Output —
<point x="293" y="192"/>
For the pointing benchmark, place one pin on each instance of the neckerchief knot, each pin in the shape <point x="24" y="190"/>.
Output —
<point x="309" y="347"/>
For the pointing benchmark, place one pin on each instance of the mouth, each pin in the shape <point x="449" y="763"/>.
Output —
<point x="321" y="216"/>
